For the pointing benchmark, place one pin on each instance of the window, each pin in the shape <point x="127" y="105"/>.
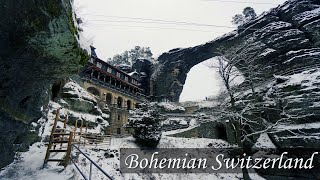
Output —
<point x="126" y="78"/>
<point x="118" y="74"/>
<point x="109" y="70"/>
<point x="99" y="65"/>
<point x="119" y="117"/>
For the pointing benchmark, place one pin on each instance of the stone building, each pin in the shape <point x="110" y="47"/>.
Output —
<point x="115" y="88"/>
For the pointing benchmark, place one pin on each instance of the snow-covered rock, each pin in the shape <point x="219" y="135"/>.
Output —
<point x="170" y="107"/>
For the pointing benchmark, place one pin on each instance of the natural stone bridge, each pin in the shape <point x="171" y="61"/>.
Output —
<point x="286" y="37"/>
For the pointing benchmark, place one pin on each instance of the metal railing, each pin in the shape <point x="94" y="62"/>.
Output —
<point x="128" y="93"/>
<point x="91" y="163"/>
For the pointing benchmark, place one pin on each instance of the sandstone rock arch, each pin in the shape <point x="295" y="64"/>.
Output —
<point x="284" y="38"/>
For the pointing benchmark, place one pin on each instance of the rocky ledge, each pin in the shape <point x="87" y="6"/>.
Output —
<point x="38" y="46"/>
<point x="284" y="38"/>
<point x="281" y="47"/>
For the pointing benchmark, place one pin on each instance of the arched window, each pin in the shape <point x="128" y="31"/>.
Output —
<point x="94" y="91"/>
<point x="109" y="98"/>
<point x="119" y="102"/>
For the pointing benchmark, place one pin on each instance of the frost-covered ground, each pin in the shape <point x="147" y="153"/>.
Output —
<point x="171" y="107"/>
<point x="29" y="165"/>
<point x="111" y="165"/>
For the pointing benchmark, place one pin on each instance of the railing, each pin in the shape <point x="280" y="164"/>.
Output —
<point x="174" y="127"/>
<point x="91" y="163"/>
<point x="133" y="95"/>
<point x="93" y="140"/>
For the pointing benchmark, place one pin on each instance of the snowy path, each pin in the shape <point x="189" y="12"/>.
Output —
<point x="29" y="166"/>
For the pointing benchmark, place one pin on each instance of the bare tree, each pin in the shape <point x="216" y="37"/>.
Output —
<point x="228" y="73"/>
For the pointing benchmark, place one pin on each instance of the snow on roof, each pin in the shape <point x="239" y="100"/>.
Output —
<point x="133" y="73"/>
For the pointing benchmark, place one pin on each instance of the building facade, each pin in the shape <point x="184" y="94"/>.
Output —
<point x="115" y="88"/>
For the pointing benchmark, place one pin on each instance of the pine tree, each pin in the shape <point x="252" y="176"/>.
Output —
<point x="145" y="123"/>
<point x="248" y="14"/>
<point x="130" y="57"/>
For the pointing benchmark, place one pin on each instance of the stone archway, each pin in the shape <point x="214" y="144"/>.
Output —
<point x="94" y="91"/>
<point x="109" y="98"/>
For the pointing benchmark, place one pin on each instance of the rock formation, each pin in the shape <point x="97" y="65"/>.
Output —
<point x="283" y="45"/>
<point x="38" y="46"/>
<point x="286" y="37"/>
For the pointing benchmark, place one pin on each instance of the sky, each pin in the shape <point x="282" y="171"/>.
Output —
<point x="113" y="26"/>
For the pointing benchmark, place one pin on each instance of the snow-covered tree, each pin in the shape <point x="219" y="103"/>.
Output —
<point x="238" y="19"/>
<point x="145" y="123"/>
<point x="129" y="57"/>
<point x="248" y="14"/>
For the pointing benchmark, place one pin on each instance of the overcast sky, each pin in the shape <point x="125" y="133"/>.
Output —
<point x="114" y="26"/>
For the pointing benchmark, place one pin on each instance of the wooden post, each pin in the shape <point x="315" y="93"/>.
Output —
<point x="80" y="131"/>
<point x="64" y="127"/>
<point x="68" y="150"/>
<point x="84" y="139"/>
<point x="75" y="129"/>
<point x="65" y="122"/>
<point x="55" y="121"/>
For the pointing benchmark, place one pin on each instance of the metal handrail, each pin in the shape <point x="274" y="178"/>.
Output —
<point x="130" y="94"/>
<point x="91" y="162"/>
<point x="75" y="164"/>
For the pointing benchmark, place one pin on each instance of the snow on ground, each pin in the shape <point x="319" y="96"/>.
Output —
<point x="28" y="166"/>
<point x="175" y="120"/>
<point x="171" y="106"/>
<point x="179" y="130"/>
<point x="264" y="142"/>
<point x="111" y="165"/>
<point x="203" y="104"/>
<point x="76" y="90"/>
